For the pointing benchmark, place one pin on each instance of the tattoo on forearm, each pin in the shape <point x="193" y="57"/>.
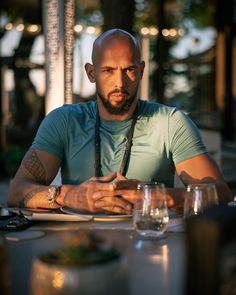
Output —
<point x="32" y="163"/>
<point x="29" y="196"/>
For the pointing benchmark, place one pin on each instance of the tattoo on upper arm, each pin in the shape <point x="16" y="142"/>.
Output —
<point x="33" y="164"/>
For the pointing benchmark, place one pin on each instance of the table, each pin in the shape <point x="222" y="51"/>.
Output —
<point x="154" y="266"/>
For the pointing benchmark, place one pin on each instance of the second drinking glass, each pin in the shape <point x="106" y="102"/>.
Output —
<point x="199" y="196"/>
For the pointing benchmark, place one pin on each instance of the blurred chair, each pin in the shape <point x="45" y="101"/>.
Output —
<point x="212" y="140"/>
<point x="210" y="238"/>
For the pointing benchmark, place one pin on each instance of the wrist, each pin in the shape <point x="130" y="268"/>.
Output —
<point x="53" y="194"/>
<point x="60" y="199"/>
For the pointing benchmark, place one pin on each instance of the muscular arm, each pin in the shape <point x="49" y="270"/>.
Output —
<point x="29" y="188"/>
<point x="37" y="170"/>
<point x="202" y="168"/>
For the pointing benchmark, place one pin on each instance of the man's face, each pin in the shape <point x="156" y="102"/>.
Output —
<point x="117" y="73"/>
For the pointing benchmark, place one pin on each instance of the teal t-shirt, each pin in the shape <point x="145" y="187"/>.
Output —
<point x="163" y="137"/>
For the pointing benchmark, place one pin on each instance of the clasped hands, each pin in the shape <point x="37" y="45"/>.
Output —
<point x="113" y="193"/>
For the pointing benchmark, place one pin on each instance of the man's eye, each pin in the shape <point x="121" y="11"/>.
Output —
<point x="130" y="70"/>
<point x="107" y="70"/>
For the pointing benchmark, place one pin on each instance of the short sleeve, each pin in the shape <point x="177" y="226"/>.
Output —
<point x="51" y="134"/>
<point x="184" y="137"/>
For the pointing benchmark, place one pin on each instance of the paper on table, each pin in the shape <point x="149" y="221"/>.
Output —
<point x="50" y="215"/>
<point x="57" y="217"/>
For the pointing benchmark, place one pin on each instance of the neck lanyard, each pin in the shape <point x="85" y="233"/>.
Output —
<point x="128" y="145"/>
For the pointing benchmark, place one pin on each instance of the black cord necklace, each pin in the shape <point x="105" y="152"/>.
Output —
<point x="123" y="167"/>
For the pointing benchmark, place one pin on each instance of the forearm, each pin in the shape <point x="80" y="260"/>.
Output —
<point x="29" y="194"/>
<point x="178" y="195"/>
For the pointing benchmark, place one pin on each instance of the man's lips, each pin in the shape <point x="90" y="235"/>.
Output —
<point x="118" y="96"/>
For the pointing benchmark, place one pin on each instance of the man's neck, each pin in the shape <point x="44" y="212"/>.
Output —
<point x="104" y="114"/>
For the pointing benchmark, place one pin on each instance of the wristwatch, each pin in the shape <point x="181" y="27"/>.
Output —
<point x="53" y="193"/>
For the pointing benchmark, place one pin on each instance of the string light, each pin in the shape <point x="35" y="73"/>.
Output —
<point x="90" y="30"/>
<point x="20" y="27"/>
<point x="167" y="33"/>
<point x="33" y="28"/>
<point x="9" y="26"/>
<point x="78" y="28"/>
<point x="36" y="28"/>
<point x="173" y="32"/>
<point x="144" y="31"/>
<point x="153" y="31"/>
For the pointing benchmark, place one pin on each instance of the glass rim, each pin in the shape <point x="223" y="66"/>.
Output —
<point x="150" y="184"/>
<point x="201" y="184"/>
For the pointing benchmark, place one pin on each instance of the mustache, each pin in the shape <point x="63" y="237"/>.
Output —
<point x="123" y="91"/>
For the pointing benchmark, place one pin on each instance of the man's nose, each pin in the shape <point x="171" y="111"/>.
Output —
<point x="120" y="79"/>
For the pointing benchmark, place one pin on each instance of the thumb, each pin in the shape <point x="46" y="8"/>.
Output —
<point x="107" y="178"/>
<point x="120" y="176"/>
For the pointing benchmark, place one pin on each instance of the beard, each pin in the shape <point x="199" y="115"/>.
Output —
<point x="122" y="107"/>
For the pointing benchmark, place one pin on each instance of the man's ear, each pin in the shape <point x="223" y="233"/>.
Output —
<point x="89" y="68"/>
<point x="142" y="66"/>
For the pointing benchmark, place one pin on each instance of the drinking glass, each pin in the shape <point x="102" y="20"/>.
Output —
<point x="199" y="196"/>
<point x="150" y="215"/>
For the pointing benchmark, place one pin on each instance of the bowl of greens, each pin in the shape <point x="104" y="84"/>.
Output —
<point x="85" y="264"/>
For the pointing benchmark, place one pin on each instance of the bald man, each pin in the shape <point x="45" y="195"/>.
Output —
<point x="105" y="147"/>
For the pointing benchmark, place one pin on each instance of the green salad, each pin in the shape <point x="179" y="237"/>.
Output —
<point x="82" y="250"/>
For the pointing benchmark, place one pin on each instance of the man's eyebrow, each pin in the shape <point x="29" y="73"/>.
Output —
<point x="132" y="66"/>
<point x="107" y="67"/>
<point x="110" y="67"/>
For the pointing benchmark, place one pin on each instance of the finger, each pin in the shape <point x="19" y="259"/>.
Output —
<point x="117" y="210"/>
<point x="106" y="178"/>
<point x="103" y="204"/>
<point x="105" y="186"/>
<point x="128" y="195"/>
<point x="170" y="201"/>
<point x="113" y="202"/>
<point x="120" y="176"/>
<point x="126" y="184"/>
<point x="98" y="195"/>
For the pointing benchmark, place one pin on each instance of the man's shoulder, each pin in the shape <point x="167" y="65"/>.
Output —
<point x="76" y="109"/>
<point x="153" y="107"/>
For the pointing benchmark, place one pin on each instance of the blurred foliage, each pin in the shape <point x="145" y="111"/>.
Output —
<point x="11" y="159"/>
<point x="147" y="13"/>
<point x="88" y="12"/>
<point x="202" y="12"/>
<point x="28" y="11"/>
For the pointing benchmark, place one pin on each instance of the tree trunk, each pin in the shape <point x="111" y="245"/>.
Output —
<point x="160" y="55"/>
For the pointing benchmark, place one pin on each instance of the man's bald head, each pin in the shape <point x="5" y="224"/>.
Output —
<point x="111" y="36"/>
<point x="117" y="71"/>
